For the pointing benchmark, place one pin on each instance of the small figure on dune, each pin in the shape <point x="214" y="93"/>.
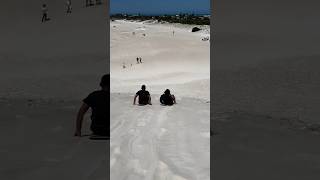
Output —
<point x="173" y="33"/>
<point x="44" y="13"/>
<point x="167" y="98"/>
<point x="140" y="60"/>
<point x="137" y="60"/>
<point x="69" y="6"/>
<point x="98" y="101"/>
<point x="89" y="3"/>
<point x="98" y="2"/>
<point x="144" y="96"/>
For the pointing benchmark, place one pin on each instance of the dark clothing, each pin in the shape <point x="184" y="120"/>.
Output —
<point x="143" y="97"/>
<point x="89" y="3"/>
<point x="44" y="10"/>
<point x="166" y="99"/>
<point x="98" y="101"/>
<point x="44" y="17"/>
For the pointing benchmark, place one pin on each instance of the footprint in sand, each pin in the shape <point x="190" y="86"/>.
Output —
<point x="141" y="123"/>
<point x="134" y="131"/>
<point x="135" y="165"/>
<point x="117" y="151"/>
<point x="162" y="132"/>
<point x="205" y="134"/>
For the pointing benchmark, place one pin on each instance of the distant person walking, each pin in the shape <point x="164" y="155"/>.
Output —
<point x="98" y="101"/>
<point x="140" y="60"/>
<point x="137" y="60"/>
<point x="98" y="2"/>
<point x="89" y="3"/>
<point x="144" y="96"/>
<point x="167" y="98"/>
<point x="69" y="6"/>
<point x="44" y="10"/>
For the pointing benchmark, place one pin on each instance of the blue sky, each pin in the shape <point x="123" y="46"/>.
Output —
<point x="160" y="6"/>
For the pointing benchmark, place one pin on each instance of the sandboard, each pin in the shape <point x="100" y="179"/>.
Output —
<point x="97" y="137"/>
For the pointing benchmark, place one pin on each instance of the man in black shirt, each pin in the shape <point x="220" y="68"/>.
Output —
<point x="98" y="101"/>
<point x="144" y="96"/>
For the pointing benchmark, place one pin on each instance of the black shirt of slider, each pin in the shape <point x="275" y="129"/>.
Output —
<point x="143" y="97"/>
<point x="98" y="102"/>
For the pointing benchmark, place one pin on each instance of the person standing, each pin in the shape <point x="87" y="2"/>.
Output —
<point x="89" y="3"/>
<point x="69" y="6"/>
<point x="137" y="60"/>
<point x="44" y="10"/>
<point x="98" y="2"/>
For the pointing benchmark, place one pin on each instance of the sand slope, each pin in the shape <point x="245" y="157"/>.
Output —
<point x="266" y="90"/>
<point x="46" y="70"/>
<point x="158" y="142"/>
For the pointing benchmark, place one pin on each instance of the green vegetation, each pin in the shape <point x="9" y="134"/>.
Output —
<point x="180" y="18"/>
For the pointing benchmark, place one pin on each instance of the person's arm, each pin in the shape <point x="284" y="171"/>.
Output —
<point x="134" y="99"/>
<point x="150" y="100"/>
<point x="174" y="99"/>
<point x="82" y="111"/>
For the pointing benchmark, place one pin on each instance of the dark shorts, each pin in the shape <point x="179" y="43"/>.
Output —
<point x="143" y="103"/>
<point x="101" y="131"/>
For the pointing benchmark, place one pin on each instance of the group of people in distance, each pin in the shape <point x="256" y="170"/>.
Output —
<point x="90" y="2"/>
<point x="68" y="8"/>
<point x="139" y="60"/>
<point x="144" y="97"/>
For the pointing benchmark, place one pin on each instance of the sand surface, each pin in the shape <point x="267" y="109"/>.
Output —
<point x="266" y="91"/>
<point x="158" y="142"/>
<point x="46" y="70"/>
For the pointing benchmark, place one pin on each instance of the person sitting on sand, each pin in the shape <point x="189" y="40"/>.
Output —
<point x="144" y="96"/>
<point x="98" y="101"/>
<point x="167" y="98"/>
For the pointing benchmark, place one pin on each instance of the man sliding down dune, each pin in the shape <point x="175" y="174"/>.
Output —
<point x="144" y="96"/>
<point x="98" y="101"/>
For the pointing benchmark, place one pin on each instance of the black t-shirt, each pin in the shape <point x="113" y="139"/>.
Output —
<point x="143" y="97"/>
<point x="99" y="104"/>
<point x="166" y="99"/>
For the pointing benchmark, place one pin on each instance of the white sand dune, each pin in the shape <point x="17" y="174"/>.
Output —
<point x="158" y="142"/>
<point x="167" y="59"/>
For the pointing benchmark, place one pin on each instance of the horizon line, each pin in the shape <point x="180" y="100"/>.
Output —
<point x="159" y="14"/>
